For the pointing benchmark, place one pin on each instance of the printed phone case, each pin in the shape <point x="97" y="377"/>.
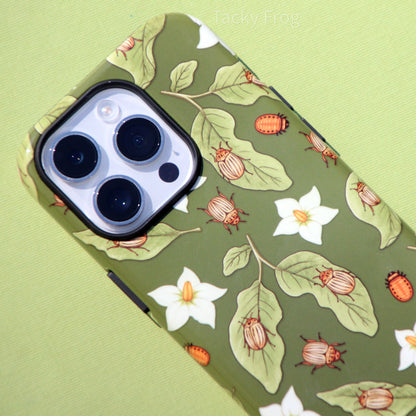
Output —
<point x="282" y="273"/>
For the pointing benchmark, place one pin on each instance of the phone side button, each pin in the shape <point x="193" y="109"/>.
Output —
<point x="132" y="296"/>
<point x="283" y="100"/>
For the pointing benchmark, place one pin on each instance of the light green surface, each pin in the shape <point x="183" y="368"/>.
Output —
<point x="71" y="343"/>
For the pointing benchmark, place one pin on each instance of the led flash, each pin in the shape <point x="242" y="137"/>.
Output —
<point x="108" y="111"/>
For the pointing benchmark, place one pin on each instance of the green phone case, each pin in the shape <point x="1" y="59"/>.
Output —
<point x="282" y="272"/>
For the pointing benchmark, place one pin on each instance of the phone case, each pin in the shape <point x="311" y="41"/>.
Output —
<point x="282" y="272"/>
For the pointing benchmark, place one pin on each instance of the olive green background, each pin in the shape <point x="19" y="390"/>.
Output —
<point x="70" y="342"/>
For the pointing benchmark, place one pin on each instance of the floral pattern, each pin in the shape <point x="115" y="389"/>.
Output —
<point x="305" y="217"/>
<point x="189" y="298"/>
<point x="406" y="338"/>
<point x="290" y="406"/>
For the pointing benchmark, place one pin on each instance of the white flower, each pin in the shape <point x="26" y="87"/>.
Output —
<point x="189" y="298"/>
<point x="291" y="406"/>
<point x="182" y="204"/>
<point x="305" y="217"/>
<point x="207" y="37"/>
<point x="407" y="340"/>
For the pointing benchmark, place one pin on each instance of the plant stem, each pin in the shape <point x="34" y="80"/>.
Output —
<point x="204" y="94"/>
<point x="411" y="247"/>
<point x="259" y="257"/>
<point x="184" y="97"/>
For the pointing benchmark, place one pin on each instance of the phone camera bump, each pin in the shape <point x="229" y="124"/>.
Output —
<point x="138" y="139"/>
<point x="118" y="200"/>
<point x="75" y="156"/>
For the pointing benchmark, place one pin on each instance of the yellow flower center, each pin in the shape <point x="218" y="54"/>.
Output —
<point x="411" y="340"/>
<point x="300" y="215"/>
<point x="187" y="293"/>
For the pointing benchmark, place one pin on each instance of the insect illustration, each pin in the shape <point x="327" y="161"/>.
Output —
<point x="376" y="399"/>
<point x="255" y="334"/>
<point x="367" y="195"/>
<point x="223" y="211"/>
<point x="337" y="281"/>
<point x="399" y="286"/>
<point x="230" y="165"/>
<point x="59" y="203"/>
<point x="320" y="146"/>
<point x="319" y="353"/>
<point x="252" y="79"/>
<point x="199" y="354"/>
<point x="131" y="244"/>
<point x="271" y="124"/>
<point x="127" y="45"/>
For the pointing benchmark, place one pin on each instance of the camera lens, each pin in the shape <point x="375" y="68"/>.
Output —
<point x="118" y="200"/>
<point x="138" y="139"/>
<point x="75" y="156"/>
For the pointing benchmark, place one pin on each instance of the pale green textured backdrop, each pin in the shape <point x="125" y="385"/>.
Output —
<point x="70" y="342"/>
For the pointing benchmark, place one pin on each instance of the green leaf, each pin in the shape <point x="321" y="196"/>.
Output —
<point x="139" y="60"/>
<point x="263" y="364"/>
<point x="233" y="87"/>
<point x="236" y="258"/>
<point x="182" y="75"/>
<point x="54" y="113"/>
<point x="295" y="275"/>
<point x="384" y="219"/>
<point x="213" y="127"/>
<point x="24" y="157"/>
<point x="157" y="239"/>
<point x="404" y="398"/>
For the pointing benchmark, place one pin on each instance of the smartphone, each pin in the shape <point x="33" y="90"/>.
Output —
<point x="233" y="224"/>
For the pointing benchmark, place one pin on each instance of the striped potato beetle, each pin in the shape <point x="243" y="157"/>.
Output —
<point x="252" y="79"/>
<point x="127" y="45"/>
<point x="223" y="211"/>
<point x="131" y="244"/>
<point x="399" y="286"/>
<point x="319" y="353"/>
<point x="271" y="124"/>
<point x="255" y="334"/>
<point x="199" y="354"/>
<point x="59" y="203"/>
<point x="320" y="146"/>
<point x="367" y="195"/>
<point x="375" y="399"/>
<point x="230" y="165"/>
<point x="337" y="281"/>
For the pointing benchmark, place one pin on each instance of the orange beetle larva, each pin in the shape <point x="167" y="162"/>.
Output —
<point x="199" y="354"/>
<point x="399" y="286"/>
<point x="271" y="124"/>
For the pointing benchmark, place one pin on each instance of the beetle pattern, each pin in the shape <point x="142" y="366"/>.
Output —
<point x="131" y="244"/>
<point x="319" y="353"/>
<point x="399" y="286"/>
<point x="320" y="146"/>
<point x="230" y="165"/>
<point x="375" y="399"/>
<point x="255" y="334"/>
<point x="199" y="354"/>
<point x="271" y="124"/>
<point x="59" y="203"/>
<point x="223" y="211"/>
<point x="252" y="79"/>
<point x="338" y="282"/>
<point x="367" y="195"/>
<point x="127" y="45"/>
